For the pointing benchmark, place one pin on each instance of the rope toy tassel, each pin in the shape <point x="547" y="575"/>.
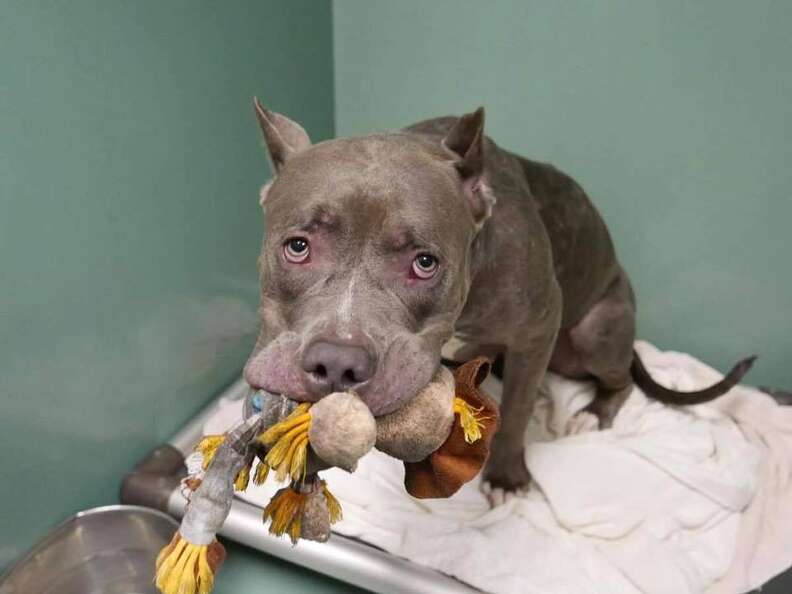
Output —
<point x="262" y="472"/>
<point x="242" y="479"/>
<point x="185" y="568"/>
<point x="288" y="443"/>
<point x="470" y="419"/>
<point x="208" y="448"/>
<point x="333" y="505"/>
<point x="285" y="510"/>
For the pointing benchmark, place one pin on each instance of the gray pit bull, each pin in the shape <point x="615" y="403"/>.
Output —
<point x="380" y="250"/>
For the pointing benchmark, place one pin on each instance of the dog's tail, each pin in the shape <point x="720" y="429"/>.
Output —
<point x="654" y="390"/>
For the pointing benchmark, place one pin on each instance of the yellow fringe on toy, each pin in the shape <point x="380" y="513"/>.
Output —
<point x="470" y="419"/>
<point x="333" y="506"/>
<point x="242" y="479"/>
<point x="262" y="472"/>
<point x="288" y="441"/>
<point x="286" y="509"/>
<point x="183" y="568"/>
<point x="208" y="448"/>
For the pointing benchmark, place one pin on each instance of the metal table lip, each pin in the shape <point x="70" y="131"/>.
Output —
<point x="103" y="509"/>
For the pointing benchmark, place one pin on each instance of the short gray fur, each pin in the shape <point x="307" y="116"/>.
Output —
<point x="527" y="270"/>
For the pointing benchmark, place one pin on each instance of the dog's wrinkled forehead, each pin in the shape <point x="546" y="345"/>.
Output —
<point x="390" y="184"/>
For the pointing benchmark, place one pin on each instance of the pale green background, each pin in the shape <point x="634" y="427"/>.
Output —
<point x="130" y="161"/>
<point x="676" y="117"/>
<point x="129" y="231"/>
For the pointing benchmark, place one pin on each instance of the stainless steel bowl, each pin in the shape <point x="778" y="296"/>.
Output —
<point x="105" y="550"/>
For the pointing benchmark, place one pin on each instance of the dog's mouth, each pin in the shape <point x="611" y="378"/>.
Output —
<point x="258" y="395"/>
<point x="266" y="393"/>
<point x="401" y="371"/>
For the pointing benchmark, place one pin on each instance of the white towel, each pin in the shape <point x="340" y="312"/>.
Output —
<point x="670" y="500"/>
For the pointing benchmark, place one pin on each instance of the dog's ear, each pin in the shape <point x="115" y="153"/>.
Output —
<point x="466" y="141"/>
<point x="284" y="137"/>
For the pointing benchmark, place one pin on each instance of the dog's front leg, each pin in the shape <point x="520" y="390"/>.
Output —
<point x="524" y="367"/>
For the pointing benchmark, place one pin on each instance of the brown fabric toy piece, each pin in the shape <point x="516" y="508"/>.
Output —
<point x="457" y="461"/>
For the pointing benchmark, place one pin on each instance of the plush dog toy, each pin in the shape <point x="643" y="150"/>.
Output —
<point x="443" y="436"/>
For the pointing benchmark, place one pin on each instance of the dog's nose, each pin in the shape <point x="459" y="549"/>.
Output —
<point x="333" y="367"/>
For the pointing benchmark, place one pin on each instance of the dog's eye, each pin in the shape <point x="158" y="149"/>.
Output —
<point x="424" y="266"/>
<point x="296" y="250"/>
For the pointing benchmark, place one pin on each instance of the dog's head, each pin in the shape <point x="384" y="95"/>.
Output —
<point x="366" y="259"/>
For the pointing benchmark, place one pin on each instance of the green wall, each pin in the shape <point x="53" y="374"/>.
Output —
<point x="129" y="225"/>
<point x="130" y="162"/>
<point x="675" y="116"/>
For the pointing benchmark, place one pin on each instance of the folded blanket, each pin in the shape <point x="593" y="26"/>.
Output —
<point x="670" y="500"/>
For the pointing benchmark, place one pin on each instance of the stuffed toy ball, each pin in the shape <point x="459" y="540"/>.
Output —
<point x="442" y="435"/>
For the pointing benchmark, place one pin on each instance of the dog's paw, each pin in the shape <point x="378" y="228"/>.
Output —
<point x="505" y="477"/>
<point x="497" y="496"/>
<point x="582" y="422"/>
